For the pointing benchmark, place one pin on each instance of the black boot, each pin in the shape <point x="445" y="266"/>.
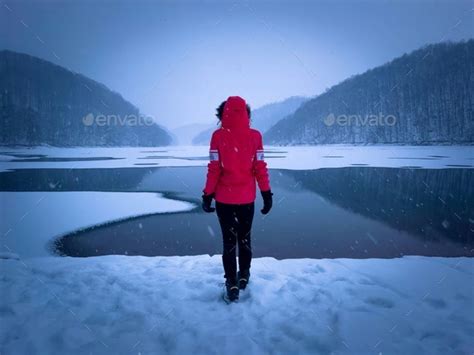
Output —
<point x="232" y="290"/>
<point x="243" y="277"/>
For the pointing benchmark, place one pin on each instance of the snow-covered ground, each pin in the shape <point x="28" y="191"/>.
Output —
<point x="172" y="305"/>
<point x="29" y="220"/>
<point x="140" y="305"/>
<point x="298" y="158"/>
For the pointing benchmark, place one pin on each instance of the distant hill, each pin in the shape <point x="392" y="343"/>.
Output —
<point x="204" y="137"/>
<point x="185" y="134"/>
<point x="266" y="116"/>
<point x="262" y="118"/>
<point x="425" y="97"/>
<point x="43" y="103"/>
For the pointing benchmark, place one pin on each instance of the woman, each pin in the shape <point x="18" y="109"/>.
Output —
<point x="236" y="164"/>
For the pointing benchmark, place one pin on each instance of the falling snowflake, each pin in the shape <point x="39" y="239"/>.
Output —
<point x="211" y="231"/>
<point x="372" y="238"/>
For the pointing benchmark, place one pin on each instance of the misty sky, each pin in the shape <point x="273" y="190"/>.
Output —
<point x="177" y="60"/>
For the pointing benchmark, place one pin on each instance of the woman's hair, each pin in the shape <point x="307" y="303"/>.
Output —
<point x="220" y="110"/>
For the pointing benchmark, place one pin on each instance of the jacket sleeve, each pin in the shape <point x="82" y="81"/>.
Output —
<point x="260" y="166"/>
<point x="213" y="167"/>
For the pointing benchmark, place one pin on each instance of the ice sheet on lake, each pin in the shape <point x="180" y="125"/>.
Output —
<point x="297" y="158"/>
<point x="29" y="220"/>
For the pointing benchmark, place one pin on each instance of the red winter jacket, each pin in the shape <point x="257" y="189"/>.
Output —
<point x="236" y="157"/>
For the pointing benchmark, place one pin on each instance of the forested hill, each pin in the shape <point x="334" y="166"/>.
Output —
<point x="43" y="103"/>
<point x="425" y="97"/>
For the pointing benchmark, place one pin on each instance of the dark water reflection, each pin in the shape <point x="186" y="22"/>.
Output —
<point x="354" y="212"/>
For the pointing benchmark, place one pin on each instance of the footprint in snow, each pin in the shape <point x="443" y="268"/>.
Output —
<point x="379" y="302"/>
<point x="314" y="269"/>
<point x="342" y="279"/>
<point x="367" y="282"/>
<point x="436" y="303"/>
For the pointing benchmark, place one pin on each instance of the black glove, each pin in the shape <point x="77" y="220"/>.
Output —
<point x="267" y="201"/>
<point x="206" y="203"/>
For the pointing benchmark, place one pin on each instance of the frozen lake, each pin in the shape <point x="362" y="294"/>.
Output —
<point x="331" y="201"/>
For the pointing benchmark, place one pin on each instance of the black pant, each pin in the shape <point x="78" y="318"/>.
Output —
<point x="236" y="224"/>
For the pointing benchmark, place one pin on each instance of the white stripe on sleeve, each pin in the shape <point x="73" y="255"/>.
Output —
<point x="213" y="155"/>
